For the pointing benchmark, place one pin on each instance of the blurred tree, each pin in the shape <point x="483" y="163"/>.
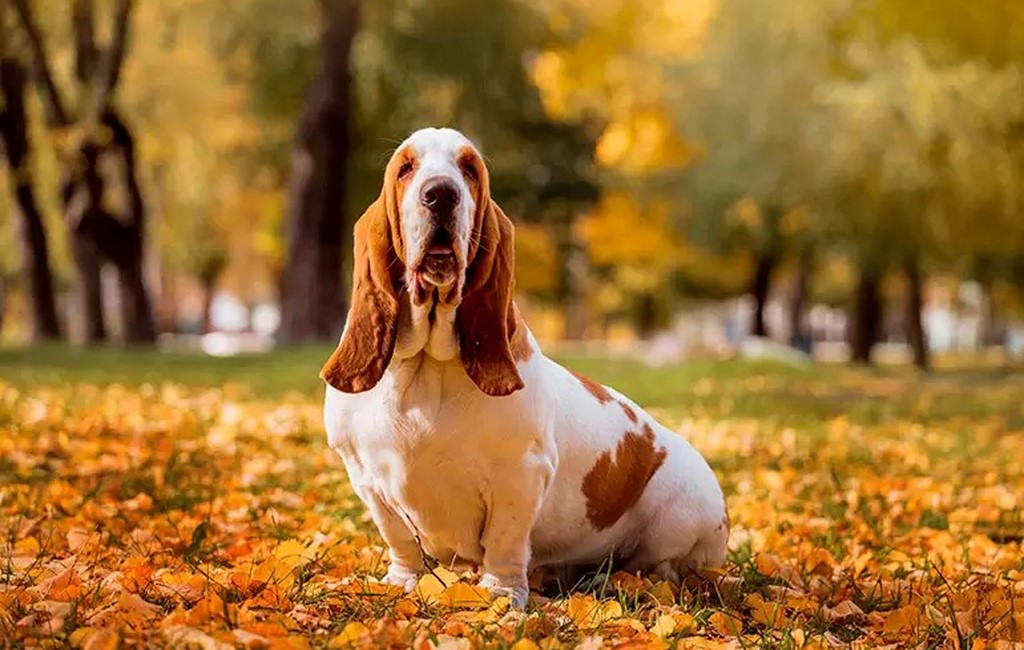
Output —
<point x="468" y="63"/>
<point x="911" y="138"/>
<point x="35" y="254"/>
<point x="313" y="302"/>
<point x="747" y="101"/>
<point x="212" y="187"/>
<point x="99" y="138"/>
<point x="606" y="66"/>
<point x="989" y="30"/>
<point x="454" y="63"/>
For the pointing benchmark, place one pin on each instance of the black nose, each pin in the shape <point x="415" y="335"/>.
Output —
<point x="439" y="195"/>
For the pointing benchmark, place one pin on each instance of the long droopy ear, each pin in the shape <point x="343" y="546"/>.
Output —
<point x="366" y="345"/>
<point x="485" y="317"/>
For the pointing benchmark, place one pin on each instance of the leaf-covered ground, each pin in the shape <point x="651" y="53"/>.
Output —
<point x="868" y="510"/>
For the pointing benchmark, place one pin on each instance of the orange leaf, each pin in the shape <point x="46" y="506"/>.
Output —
<point x="726" y="624"/>
<point x="65" y="586"/>
<point x="768" y="564"/>
<point x="766" y="613"/>
<point x="903" y="620"/>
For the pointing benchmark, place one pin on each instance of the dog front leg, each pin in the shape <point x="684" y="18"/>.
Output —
<point x="406" y="563"/>
<point x="511" y="512"/>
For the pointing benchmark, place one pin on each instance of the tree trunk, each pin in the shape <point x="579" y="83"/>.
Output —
<point x="799" y="336"/>
<point x="866" y="324"/>
<point x="89" y="293"/>
<point x="167" y="304"/>
<point x="136" y="309"/>
<point x="572" y="273"/>
<point x="646" y="316"/>
<point x="93" y="233"/>
<point x="319" y="233"/>
<point x="136" y="306"/>
<point x="759" y="289"/>
<point x="209" y="285"/>
<point x="915" y="304"/>
<point x="35" y="257"/>
<point x="121" y="241"/>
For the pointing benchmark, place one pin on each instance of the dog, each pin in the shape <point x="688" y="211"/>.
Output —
<point x="464" y="441"/>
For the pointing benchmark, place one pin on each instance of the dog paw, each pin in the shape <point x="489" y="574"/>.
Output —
<point x="515" y="590"/>
<point x="402" y="577"/>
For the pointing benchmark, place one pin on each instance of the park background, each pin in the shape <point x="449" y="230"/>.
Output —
<point x="682" y="173"/>
<point x="791" y="230"/>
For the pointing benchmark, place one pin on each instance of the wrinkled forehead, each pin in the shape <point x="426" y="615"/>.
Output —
<point x="436" y="146"/>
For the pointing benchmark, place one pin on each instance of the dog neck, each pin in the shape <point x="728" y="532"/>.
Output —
<point x="427" y="329"/>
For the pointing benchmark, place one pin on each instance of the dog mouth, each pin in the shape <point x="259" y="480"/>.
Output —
<point x="437" y="272"/>
<point x="440" y="264"/>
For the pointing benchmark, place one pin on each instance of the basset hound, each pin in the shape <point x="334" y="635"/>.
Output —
<point x="463" y="440"/>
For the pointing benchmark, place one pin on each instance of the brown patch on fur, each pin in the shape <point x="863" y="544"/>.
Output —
<point x="520" y="343"/>
<point x="628" y="410"/>
<point x="614" y="485"/>
<point x="486" y="314"/>
<point x="407" y="155"/>
<point x="594" y="388"/>
<point x="368" y="341"/>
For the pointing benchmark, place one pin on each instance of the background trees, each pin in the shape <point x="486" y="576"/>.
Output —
<point x="654" y="153"/>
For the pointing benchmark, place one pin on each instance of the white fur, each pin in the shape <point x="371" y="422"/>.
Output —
<point x="497" y="481"/>
<point x="436" y="151"/>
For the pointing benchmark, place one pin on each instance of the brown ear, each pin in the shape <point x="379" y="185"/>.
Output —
<point x="366" y="346"/>
<point x="485" y="317"/>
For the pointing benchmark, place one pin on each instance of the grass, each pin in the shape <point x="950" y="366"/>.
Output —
<point x="782" y="393"/>
<point x="869" y="506"/>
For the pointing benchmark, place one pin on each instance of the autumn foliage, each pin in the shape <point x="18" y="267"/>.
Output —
<point x="176" y="516"/>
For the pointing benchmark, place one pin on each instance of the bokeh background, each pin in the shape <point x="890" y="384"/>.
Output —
<point x="842" y="178"/>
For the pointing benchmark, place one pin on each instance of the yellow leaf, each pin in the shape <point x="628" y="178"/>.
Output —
<point x="765" y="613"/>
<point x="351" y="633"/>
<point x="587" y="612"/>
<point x="662" y="592"/>
<point x="581" y="608"/>
<point x="430" y="589"/>
<point x="685" y="623"/>
<point x="903" y="620"/>
<point x="463" y="596"/>
<point x="664" y="626"/>
<point x="28" y="546"/>
<point x="292" y="553"/>
<point x="524" y="644"/>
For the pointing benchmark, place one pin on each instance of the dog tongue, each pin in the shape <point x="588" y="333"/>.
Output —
<point x="440" y="243"/>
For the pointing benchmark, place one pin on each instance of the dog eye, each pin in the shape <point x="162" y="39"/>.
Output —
<point x="405" y="169"/>
<point x="469" y="169"/>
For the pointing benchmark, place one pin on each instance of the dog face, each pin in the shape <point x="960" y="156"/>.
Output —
<point x="436" y="232"/>
<point x="438" y="180"/>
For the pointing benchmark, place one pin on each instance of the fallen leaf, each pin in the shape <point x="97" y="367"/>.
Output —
<point x="726" y="624"/>
<point x="184" y="635"/>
